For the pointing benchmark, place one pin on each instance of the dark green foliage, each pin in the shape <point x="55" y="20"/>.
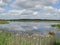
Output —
<point x="56" y="41"/>
<point x="56" y="25"/>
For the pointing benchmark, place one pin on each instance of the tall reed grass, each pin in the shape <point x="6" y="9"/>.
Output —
<point x="9" y="38"/>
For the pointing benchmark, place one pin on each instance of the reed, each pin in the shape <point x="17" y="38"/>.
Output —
<point x="9" y="38"/>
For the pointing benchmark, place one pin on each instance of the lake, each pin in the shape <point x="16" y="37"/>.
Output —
<point x="43" y="27"/>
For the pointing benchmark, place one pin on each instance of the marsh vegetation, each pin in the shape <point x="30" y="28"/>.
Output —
<point x="56" y="25"/>
<point x="9" y="38"/>
<point x="4" y="22"/>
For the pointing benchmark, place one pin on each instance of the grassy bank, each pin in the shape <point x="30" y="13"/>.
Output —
<point x="4" y="22"/>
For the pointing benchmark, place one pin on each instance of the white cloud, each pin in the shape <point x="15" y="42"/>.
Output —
<point x="16" y="12"/>
<point x="35" y="13"/>
<point x="31" y="9"/>
<point x="2" y="4"/>
<point x="28" y="4"/>
<point x="2" y="10"/>
<point x="48" y="13"/>
<point x="27" y="12"/>
<point x="7" y="1"/>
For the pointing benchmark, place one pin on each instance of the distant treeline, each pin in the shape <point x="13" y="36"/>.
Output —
<point x="27" y="20"/>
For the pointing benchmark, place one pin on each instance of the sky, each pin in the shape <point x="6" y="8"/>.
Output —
<point x="30" y="9"/>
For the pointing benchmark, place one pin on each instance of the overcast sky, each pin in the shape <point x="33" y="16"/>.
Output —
<point x="30" y="9"/>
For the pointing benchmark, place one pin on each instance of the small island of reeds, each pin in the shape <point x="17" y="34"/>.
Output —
<point x="4" y="22"/>
<point x="56" y="25"/>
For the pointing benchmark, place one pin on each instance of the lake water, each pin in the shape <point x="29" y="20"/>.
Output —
<point x="42" y="27"/>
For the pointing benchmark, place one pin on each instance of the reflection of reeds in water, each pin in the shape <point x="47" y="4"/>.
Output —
<point x="25" y="39"/>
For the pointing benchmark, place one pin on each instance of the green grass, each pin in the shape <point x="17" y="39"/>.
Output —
<point x="9" y="38"/>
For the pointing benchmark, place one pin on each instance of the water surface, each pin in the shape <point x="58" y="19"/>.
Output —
<point x="42" y="27"/>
